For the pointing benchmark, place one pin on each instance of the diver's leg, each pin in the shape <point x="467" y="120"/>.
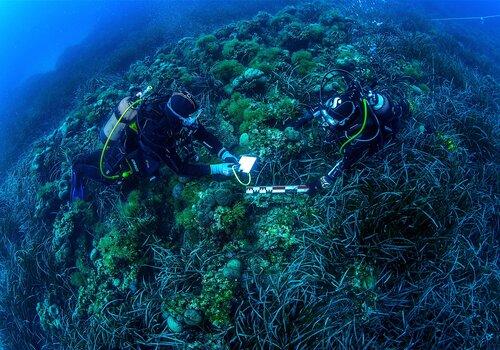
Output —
<point x="85" y="167"/>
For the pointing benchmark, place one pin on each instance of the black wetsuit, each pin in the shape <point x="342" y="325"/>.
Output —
<point x="155" y="139"/>
<point x="381" y="126"/>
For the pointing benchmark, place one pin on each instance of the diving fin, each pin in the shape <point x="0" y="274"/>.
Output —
<point x="77" y="187"/>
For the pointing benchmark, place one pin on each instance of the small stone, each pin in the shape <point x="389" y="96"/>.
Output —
<point x="232" y="270"/>
<point x="177" y="190"/>
<point x="244" y="139"/>
<point x="116" y="282"/>
<point x="93" y="254"/>
<point x="63" y="194"/>
<point x="192" y="317"/>
<point x="291" y="134"/>
<point x="133" y="286"/>
<point x="416" y="89"/>
<point x="234" y="264"/>
<point x="183" y="179"/>
<point x="174" y="325"/>
<point x="53" y="310"/>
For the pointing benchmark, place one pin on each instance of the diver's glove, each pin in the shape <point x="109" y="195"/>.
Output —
<point x="227" y="157"/>
<point x="225" y="169"/>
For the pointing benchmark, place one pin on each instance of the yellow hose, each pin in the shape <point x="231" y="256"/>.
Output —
<point x="101" y="160"/>
<point x="360" y="131"/>
<point x="238" y="178"/>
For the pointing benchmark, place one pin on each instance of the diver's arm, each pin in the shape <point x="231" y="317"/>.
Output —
<point x="213" y="144"/>
<point x="174" y="162"/>
<point x="208" y="139"/>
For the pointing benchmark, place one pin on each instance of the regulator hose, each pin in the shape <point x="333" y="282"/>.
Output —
<point x="360" y="131"/>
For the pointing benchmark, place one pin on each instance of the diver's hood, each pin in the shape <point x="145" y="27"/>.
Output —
<point x="339" y="111"/>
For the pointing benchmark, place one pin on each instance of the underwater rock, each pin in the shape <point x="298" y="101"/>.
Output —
<point x="192" y="317"/>
<point x="174" y="325"/>
<point x="63" y="189"/>
<point x="232" y="270"/>
<point x="177" y="190"/>
<point x="133" y="286"/>
<point x="94" y="254"/>
<point x="224" y="197"/>
<point x="244" y="139"/>
<point x="292" y="134"/>
<point x="251" y="80"/>
<point x="349" y="56"/>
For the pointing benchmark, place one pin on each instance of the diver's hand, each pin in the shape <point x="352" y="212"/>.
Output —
<point x="225" y="169"/>
<point x="227" y="157"/>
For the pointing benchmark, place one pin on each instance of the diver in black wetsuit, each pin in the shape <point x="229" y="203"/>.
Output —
<point x="360" y="123"/>
<point x="138" y="138"/>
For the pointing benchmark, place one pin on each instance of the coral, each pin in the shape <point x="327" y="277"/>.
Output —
<point x="118" y="250"/>
<point x="47" y="198"/>
<point x="412" y="69"/>
<point x="291" y="37"/>
<point x="68" y="228"/>
<point x="235" y="107"/>
<point x="330" y="18"/>
<point x="215" y="298"/>
<point x="275" y="230"/>
<point x="314" y="33"/>
<point x="296" y="36"/>
<point x="247" y="114"/>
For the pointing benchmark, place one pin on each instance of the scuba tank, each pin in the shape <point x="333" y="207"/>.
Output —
<point x="385" y="111"/>
<point x="379" y="104"/>
<point x="115" y="126"/>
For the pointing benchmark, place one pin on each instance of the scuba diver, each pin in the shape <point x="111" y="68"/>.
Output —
<point x="361" y="122"/>
<point x="141" y="134"/>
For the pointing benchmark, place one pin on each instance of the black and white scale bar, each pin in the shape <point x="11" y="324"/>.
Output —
<point x="277" y="189"/>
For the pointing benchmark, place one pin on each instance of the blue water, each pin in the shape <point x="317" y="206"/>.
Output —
<point x="34" y="34"/>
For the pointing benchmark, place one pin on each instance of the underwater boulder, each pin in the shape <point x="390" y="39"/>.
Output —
<point x="232" y="270"/>
<point x="177" y="190"/>
<point x="244" y="139"/>
<point x="192" y="317"/>
<point x="252" y="80"/>
<point x="174" y="325"/>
